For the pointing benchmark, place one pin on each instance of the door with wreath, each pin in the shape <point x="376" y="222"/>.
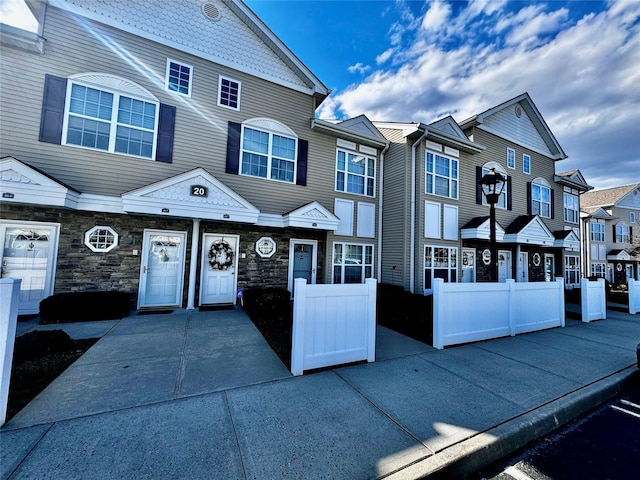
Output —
<point x="219" y="265"/>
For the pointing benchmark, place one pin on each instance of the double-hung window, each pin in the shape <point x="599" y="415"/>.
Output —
<point x="623" y="233"/>
<point x="229" y="93"/>
<point x="268" y="154"/>
<point x="355" y="173"/>
<point x="441" y="176"/>
<point x="352" y="263"/>
<point x="526" y="163"/>
<point x="540" y="200"/>
<point x="179" y="77"/>
<point x="440" y="262"/>
<point x="596" y="232"/>
<point x="111" y="121"/>
<point x="571" y="209"/>
<point x="511" y="158"/>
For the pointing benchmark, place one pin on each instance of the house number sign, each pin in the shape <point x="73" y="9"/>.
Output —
<point x="199" y="191"/>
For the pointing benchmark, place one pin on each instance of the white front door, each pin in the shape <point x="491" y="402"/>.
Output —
<point x="302" y="261"/>
<point x="549" y="268"/>
<point x="468" y="265"/>
<point x="219" y="265"/>
<point x="29" y="253"/>
<point x="162" y="270"/>
<point x="504" y="265"/>
<point x="523" y="267"/>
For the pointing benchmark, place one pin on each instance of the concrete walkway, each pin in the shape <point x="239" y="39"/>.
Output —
<point x="201" y="395"/>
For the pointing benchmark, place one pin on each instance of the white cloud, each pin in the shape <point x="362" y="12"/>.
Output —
<point x="359" y="68"/>
<point x="584" y="79"/>
<point x="436" y="16"/>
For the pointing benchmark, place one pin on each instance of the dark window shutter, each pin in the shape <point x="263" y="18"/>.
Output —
<point x="52" y="114"/>
<point x="529" y="198"/>
<point x="233" y="148"/>
<point x="614" y="233"/>
<point x="630" y="234"/>
<point x="478" y="187"/>
<point x="166" y="127"/>
<point x="301" y="165"/>
<point x="553" y="204"/>
<point x="509" y="193"/>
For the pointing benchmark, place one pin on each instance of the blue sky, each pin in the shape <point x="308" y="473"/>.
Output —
<point x="417" y="61"/>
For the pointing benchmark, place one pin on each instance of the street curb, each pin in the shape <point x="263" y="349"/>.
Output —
<point x="473" y="454"/>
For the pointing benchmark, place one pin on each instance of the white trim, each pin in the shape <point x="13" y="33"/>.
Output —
<point x="432" y="211"/>
<point x="229" y="79"/>
<point x="343" y="209"/>
<point x="366" y="221"/>
<point x="511" y="150"/>
<point x="450" y="222"/>
<point x="314" y="260"/>
<point x="524" y="156"/>
<point x="528" y="235"/>
<point x="87" y="239"/>
<point x="166" y="79"/>
<point x="312" y="215"/>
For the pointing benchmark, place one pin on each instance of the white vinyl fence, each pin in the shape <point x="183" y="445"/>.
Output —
<point x="593" y="300"/>
<point x="470" y="312"/>
<point x="634" y="295"/>
<point x="9" y="300"/>
<point x="333" y="324"/>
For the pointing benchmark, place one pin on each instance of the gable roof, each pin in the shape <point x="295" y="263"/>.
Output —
<point x="529" y="229"/>
<point x="596" y="212"/>
<point x="532" y="132"/>
<point x="573" y="179"/>
<point x="479" y="228"/>
<point x="606" y="197"/>
<point x="205" y="32"/>
<point x="358" y="129"/>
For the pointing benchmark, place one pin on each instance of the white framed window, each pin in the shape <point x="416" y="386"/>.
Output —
<point x="229" y="93"/>
<point x="352" y="262"/>
<point x="596" y="232"/>
<point x="632" y="217"/>
<point x="598" y="270"/>
<point x="110" y="120"/>
<point x="571" y="208"/>
<point x="572" y="269"/>
<point x="440" y="262"/>
<point x="101" y="239"/>
<point x="502" y="201"/>
<point x="179" y="77"/>
<point x="526" y="163"/>
<point x="511" y="158"/>
<point x="355" y="173"/>
<point x="541" y="198"/>
<point x="623" y="233"/>
<point x="268" y="150"/>
<point x="441" y="175"/>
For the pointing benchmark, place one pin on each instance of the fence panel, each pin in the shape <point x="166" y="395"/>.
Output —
<point x="593" y="300"/>
<point x="471" y="312"/>
<point x="333" y="324"/>
<point x="634" y="295"/>
<point x="9" y="300"/>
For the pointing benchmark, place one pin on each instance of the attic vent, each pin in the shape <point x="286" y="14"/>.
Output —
<point x="211" y="11"/>
<point x="518" y="111"/>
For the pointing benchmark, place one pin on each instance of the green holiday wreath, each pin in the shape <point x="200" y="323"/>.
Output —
<point x="220" y="255"/>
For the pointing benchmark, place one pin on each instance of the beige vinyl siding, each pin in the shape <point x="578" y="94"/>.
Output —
<point x="396" y="210"/>
<point x="200" y="130"/>
<point x="496" y="151"/>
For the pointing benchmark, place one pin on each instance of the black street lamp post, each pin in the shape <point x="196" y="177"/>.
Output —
<point x="492" y="185"/>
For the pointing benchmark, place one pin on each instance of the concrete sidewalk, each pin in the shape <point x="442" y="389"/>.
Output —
<point x="200" y="395"/>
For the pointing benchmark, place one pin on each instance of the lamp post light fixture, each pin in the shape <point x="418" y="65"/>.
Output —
<point x="492" y="185"/>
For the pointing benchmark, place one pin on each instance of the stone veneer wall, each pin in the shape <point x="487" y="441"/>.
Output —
<point x="80" y="269"/>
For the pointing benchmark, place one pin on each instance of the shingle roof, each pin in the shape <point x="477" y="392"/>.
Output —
<point x="605" y="197"/>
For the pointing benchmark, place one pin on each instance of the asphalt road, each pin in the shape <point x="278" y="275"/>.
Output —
<point x="602" y="445"/>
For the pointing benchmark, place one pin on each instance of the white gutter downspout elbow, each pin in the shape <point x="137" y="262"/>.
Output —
<point x="380" y="191"/>
<point x="412" y="244"/>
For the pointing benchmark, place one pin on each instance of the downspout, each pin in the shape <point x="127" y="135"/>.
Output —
<point x="412" y="231"/>
<point x="380" y="191"/>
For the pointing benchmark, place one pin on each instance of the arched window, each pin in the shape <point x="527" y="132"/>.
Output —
<point x="269" y="149"/>
<point x="541" y="198"/>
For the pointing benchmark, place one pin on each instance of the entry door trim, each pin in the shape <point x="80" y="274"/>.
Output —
<point x="144" y="265"/>
<point x="52" y="262"/>
<point x="314" y="259"/>
<point x="204" y="262"/>
<point x="523" y="267"/>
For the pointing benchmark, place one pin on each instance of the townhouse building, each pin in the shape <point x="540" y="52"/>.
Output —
<point x="170" y="151"/>
<point x="436" y="219"/>
<point x="610" y="222"/>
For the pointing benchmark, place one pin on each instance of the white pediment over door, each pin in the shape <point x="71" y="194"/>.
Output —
<point x="193" y="194"/>
<point x="20" y="183"/>
<point x="311" y="215"/>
